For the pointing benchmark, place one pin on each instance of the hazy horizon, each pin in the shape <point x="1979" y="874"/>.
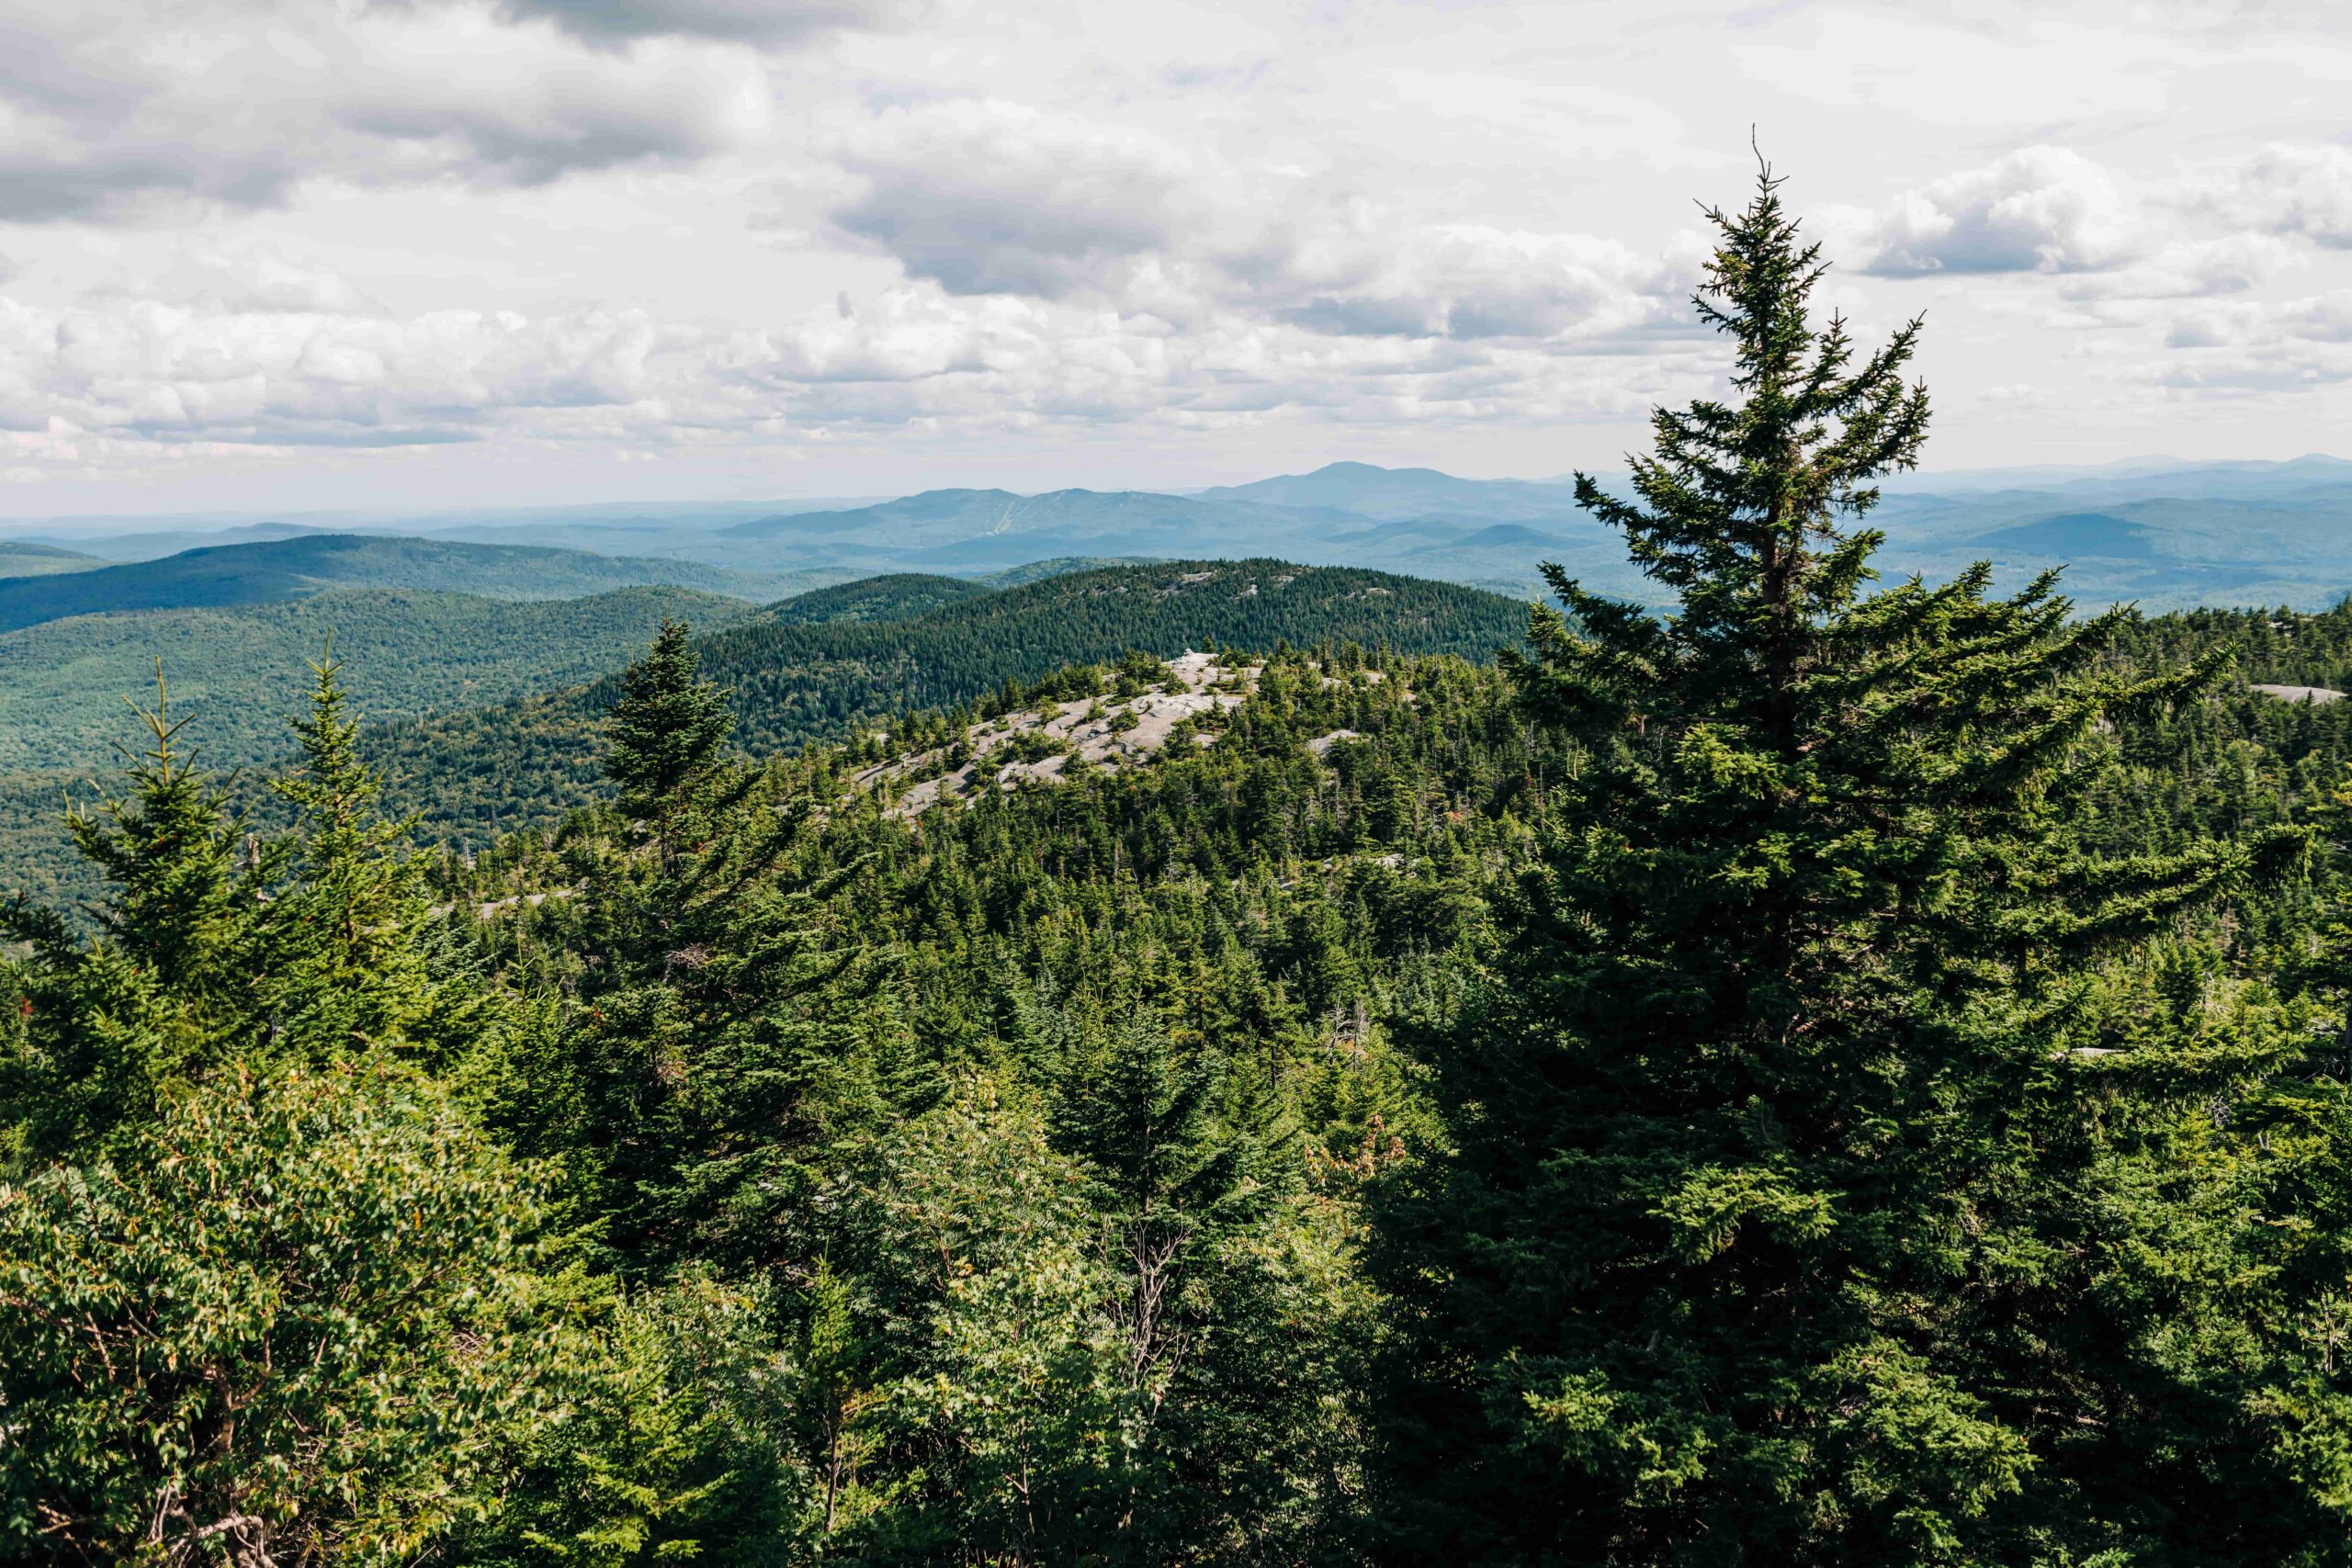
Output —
<point x="1925" y="479"/>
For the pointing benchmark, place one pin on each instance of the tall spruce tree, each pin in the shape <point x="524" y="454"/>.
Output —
<point x="667" y="727"/>
<point x="720" y="1029"/>
<point x="357" y="959"/>
<point x="1801" y="1164"/>
<point x="102" y="1029"/>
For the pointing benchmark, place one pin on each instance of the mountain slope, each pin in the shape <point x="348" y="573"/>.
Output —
<point x="238" y="671"/>
<point x="1390" y="494"/>
<point x="288" y="568"/>
<point x="977" y="529"/>
<point x="22" y="558"/>
<point x="899" y="597"/>
<point x="796" y="683"/>
<point x="793" y="681"/>
<point x="2075" y="534"/>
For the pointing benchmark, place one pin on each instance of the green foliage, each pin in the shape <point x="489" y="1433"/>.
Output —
<point x="280" y="1323"/>
<point x="673" y="1440"/>
<point x="667" y="725"/>
<point x="897" y="597"/>
<point x="797" y="684"/>
<point x="1809" y="1174"/>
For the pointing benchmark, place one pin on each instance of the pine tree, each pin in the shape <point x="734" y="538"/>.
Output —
<point x="357" y="957"/>
<point x="169" y="850"/>
<point x="1790" y="1157"/>
<point x="668" y="725"/>
<point x="102" y="1028"/>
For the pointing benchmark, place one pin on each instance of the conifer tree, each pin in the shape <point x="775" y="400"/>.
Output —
<point x="357" y="959"/>
<point x="1791" y="1159"/>
<point x="104" y="1027"/>
<point x="168" y="851"/>
<point x="667" y="727"/>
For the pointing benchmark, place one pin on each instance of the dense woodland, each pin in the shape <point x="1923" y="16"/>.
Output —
<point x="1842" y="1073"/>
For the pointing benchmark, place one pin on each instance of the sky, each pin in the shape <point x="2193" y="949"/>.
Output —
<point x="309" y="254"/>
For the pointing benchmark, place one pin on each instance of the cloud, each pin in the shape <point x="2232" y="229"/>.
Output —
<point x="754" y="21"/>
<point x="254" y="352"/>
<point x="125" y="111"/>
<point x="2038" y="209"/>
<point x="2302" y="191"/>
<point x="1380" y="273"/>
<point x="985" y="198"/>
<point x="158" y="372"/>
<point x="2192" y="269"/>
<point x="991" y="198"/>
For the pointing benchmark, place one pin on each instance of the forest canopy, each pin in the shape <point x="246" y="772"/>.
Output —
<point x="1837" y="1071"/>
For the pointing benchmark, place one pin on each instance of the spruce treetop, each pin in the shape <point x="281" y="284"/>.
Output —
<point x="1747" y="510"/>
<point x="669" y="724"/>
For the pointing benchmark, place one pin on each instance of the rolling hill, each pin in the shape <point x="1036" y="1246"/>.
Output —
<point x="2176" y="534"/>
<point x="274" y="571"/>
<point x="237" y="671"/>
<point x="895" y="598"/>
<point x="2073" y="535"/>
<point x="795" y="682"/>
<point x="803" y="670"/>
<point x="18" y="558"/>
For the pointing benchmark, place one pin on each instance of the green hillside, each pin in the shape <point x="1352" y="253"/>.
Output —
<point x="894" y="598"/>
<point x="796" y="680"/>
<point x="62" y="683"/>
<point x="290" y="568"/>
<point x="518" y="759"/>
<point x="820" y="681"/>
<point x="21" y="560"/>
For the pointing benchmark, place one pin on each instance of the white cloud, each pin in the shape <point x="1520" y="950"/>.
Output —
<point x="986" y="197"/>
<point x="667" y="226"/>
<point x="2038" y="209"/>
<point x="2192" y="269"/>
<point x="991" y="198"/>
<point x="2302" y="191"/>
<point x="126" y="110"/>
<point x="766" y="21"/>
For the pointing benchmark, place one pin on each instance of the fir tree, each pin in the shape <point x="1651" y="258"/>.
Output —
<point x="102" y="1028"/>
<point x="168" y="851"/>
<point x="357" y="957"/>
<point x="667" y="726"/>
<point x="1790" y="1158"/>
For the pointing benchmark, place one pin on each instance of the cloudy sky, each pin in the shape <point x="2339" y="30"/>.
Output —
<point x="317" y="254"/>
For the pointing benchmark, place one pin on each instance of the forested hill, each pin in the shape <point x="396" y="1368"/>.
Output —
<point x="1840" y="1076"/>
<point x="799" y="680"/>
<point x="792" y="681"/>
<point x="411" y="652"/>
<point x="896" y="597"/>
<point x="19" y="558"/>
<point x="290" y="569"/>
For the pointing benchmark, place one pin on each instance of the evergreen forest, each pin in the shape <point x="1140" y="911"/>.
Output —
<point x="1843" y="1071"/>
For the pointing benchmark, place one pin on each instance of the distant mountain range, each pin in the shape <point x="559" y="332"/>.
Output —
<point x="1394" y="495"/>
<point x="273" y="570"/>
<point x="2165" y="535"/>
